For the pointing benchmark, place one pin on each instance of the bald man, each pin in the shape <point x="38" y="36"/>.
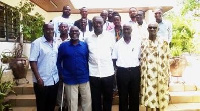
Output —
<point x="64" y="18"/>
<point x="125" y="57"/>
<point x="43" y="57"/>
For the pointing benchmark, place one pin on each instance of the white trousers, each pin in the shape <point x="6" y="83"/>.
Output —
<point x="72" y="91"/>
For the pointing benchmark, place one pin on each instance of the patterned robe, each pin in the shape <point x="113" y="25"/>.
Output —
<point x="154" y="74"/>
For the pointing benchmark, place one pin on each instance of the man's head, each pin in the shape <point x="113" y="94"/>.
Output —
<point x="153" y="28"/>
<point x="66" y="11"/>
<point x="116" y="19"/>
<point x="132" y="12"/>
<point x="74" y="33"/>
<point x="127" y="30"/>
<point x="98" y="24"/>
<point x="83" y="23"/>
<point x="158" y="15"/>
<point x="139" y="17"/>
<point x="63" y="28"/>
<point x="84" y="12"/>
<point x="48" y="31"/>
<point x="104" y="15"/>
<point x="110" y="16"/>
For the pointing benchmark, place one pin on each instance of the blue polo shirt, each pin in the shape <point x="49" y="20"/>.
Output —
<point x="72" y="62"/>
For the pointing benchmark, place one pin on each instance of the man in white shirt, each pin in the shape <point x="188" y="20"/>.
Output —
<point x="65" y="18"/>
<point x="84" y="33"/>
<point x="141" y="25"/>
<point x="165" y="27"/>
<point x="101" y="69"/>
<point x="126" y="58"/>
<point x="104" y="15"/>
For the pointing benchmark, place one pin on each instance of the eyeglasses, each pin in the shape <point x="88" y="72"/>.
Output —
<point x="152" y="28"/>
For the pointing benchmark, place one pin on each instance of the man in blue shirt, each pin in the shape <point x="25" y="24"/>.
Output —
<point x="165" y="27"/>
<point x="43" y="56"/>
<point x="73" y="68"/>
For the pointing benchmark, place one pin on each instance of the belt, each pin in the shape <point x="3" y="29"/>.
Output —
<point x="127" y="68"/>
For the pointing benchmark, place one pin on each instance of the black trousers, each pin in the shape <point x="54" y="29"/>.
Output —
<point x="128" y="82"/>
<point x="101" y="87"/>
<point x="46" y="97"/>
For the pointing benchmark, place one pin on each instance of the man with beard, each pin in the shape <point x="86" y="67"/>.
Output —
<point x="164" y="26"/>
<point x="84" y="13"/>
<point x="65" y="18"/>
<point x="43" y="57"/>
<point x="73" y="67"/>
<point x="101" y="69"/>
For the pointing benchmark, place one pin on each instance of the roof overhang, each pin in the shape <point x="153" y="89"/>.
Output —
<point x="96" y="6"/>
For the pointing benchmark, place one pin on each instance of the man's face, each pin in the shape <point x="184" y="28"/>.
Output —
<point x="116" y="20"/>
<point x="127" y="31"/>
<point x="158" y="15"/>
<point x="83" y="23"/>
<point x="48" y="31"/>
<point x="66" y="10"/>
<point x="98" y="24"/>
<point x="139" y="16"/>
<point x="132" y="13"/>
<point x="104" y="15"/>
<point x="84" y="13"/>
<point x="110" y="12"/>
<point x="74" y="33"/>
<point x="63" y="28"/>
<point x="152" y="29"/>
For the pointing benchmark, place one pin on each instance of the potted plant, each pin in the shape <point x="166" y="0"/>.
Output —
<point x="181" y="42"/>
<point x="5" y="56"/>
<point x="30" y="28"/>
<point x="5" y="88"/>
<point x="18" y="62"/>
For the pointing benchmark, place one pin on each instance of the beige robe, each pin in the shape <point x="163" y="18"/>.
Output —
<point x="154" y="74"/>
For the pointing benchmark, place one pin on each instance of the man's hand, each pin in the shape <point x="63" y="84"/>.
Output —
<point x="60" y="77"/>
<point x="40" y="82"/>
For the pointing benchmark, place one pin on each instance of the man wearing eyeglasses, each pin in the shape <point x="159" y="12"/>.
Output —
<point x="154" y="61"/>
<point x="165" y="27"/>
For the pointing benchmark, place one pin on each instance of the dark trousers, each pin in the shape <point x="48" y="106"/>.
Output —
<point x="101" y="87"/>
<point x="128" y="82"/>
<point x="46" y="97"/>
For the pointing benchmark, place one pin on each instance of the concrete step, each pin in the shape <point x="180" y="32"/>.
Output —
<point x="22" y="100"/>
<point x="172" y="107"/>
<point x="185" y="97"/>
<point x="181" y="87"/>
<point x="24" y="89"/>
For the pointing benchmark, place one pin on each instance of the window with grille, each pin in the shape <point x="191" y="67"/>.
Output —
<point x="9" y="29"/>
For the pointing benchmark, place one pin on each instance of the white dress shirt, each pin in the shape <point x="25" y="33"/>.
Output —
<point x="142" y="31"/>
<point x="84" y="35"/>
<point x="100" y="50"/>
<point x="127" y="55"/>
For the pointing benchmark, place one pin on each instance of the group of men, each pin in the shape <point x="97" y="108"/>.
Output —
<point x="85" y="62"/>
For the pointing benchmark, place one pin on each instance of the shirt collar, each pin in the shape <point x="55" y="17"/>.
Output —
<point x="79" y="43"/>
<point x="45" y="40"/>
